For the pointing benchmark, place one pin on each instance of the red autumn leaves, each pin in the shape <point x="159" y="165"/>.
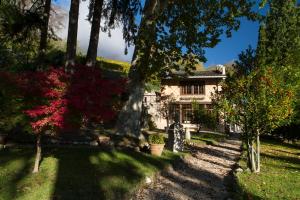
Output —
<point x="59" y="100"/>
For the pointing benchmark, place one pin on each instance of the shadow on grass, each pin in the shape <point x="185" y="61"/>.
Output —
<point x="236" y="191"/>
<point x="286" y="159"/>
<point x="275" y="141"/>
<point x="204" y="141"/>
<point x="76" y="173"/>
<point x="287" y="152"/>
<point x="23" y="163"/>
<point x="101" y="174"/>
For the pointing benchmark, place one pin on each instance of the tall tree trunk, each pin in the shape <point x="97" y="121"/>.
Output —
<point x="72" y="33"/>
<point x="44" y="31"/>
<point x="94" y="36"/>
<point x="257" y="154"/>
<point x="38" y="154"/>
<point x="253" y="160"/>
<point x="129" y="120"/>
<point x="248" y="153"/>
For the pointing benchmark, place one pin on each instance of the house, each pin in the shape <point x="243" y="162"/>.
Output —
<point x="177" y="94"/>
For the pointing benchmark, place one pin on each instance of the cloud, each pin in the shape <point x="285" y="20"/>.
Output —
<point x="110" y="47"/>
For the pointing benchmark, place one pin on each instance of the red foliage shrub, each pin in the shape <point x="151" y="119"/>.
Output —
<point x="63" y="100"/>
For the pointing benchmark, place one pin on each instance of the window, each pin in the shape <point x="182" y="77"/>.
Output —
<point x="187" y="113"/>
<point x="209" y="106"/>
<point x="192" y="87"/>
<point x="173" y="111"/>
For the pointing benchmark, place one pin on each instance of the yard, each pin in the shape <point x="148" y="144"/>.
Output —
<point x="209" y="138"/>
<point x="279" y="177"/>
<point x="76" y="173"/>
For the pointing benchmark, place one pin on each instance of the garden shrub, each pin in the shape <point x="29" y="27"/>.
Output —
<point x="156" y="139"/>
<point x="11" y="103"/>
<point x="290" y="132"/>
<point x="56" y="100"/>
<point x="69" y="100"/>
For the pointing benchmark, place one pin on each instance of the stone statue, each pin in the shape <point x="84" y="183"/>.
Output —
<point x="176" y="136"/>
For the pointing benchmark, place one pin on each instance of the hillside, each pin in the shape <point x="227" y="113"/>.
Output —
<point x="115" y="65"/>
<point x="229" y="67"/>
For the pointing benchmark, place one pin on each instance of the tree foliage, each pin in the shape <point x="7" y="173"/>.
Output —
<point x="246" y="63"/>
<point x="11" y="102"/>
<point x="172" y="34"/>
<point x="204" y="118"/>
<point x="60" y="98"/>
<point x="279" y="41"/>
<point x="279" y="46"/>
<point x="21" y="23"/>
<point x="182" y="31"/>
<point x="259" y="103"/>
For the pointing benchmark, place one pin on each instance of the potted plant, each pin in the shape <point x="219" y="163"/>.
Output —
<point x="157" y="144"/>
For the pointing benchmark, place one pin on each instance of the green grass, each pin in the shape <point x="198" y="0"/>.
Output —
<point x="113" y="64"/>
<point x="207" y="138"/>
<point x="279" y="177"/>
<point x="76" y="173"/>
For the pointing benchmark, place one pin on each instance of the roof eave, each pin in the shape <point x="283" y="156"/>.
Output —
<point x="223" y="76"/>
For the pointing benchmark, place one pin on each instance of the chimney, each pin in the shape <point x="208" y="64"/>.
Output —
<point x="221" y="69"/>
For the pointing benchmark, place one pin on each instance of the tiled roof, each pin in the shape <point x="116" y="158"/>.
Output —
<point x="197" y="74"/>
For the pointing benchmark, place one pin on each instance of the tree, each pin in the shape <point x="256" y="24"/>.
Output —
<point x="44" y="30"/>
<point x="61" y="101"/>
<point x="164" y="109"/>
<point x="203" y="117"/>
<point x="11" y="103"/>
<point x="21" y="22"/>
<point x="246" y="63"/>
<point x="258" y="103"/>
<point x="96" y="6"/>
<point x="279" y="44"/>
<point x="72" y="33"/>
<point x="173" y="31"/>
<point x="114" y="13"/>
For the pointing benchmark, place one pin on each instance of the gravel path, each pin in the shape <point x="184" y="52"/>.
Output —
<point x="202" y="175"/>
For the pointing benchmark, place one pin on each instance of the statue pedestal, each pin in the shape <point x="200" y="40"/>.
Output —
<point x="176" y="137"/>
<point x="187" y="134"/>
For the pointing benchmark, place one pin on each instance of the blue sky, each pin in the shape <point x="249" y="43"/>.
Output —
<point x="229" y="48"/>
<point x="226" y="51"/>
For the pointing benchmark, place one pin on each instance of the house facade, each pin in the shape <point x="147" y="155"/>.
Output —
<point x="177" y="94"/>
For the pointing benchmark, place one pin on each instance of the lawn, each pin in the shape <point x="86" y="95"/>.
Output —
<point x="209" y="138"/>
<point x="76" y="173"/>
<point x="279" y="177"/>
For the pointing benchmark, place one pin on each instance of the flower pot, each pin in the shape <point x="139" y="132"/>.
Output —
<point x="3" y="139"/>
<point x="156" y="149"/>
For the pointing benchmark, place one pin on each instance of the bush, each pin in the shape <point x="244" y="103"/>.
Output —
<point x="151" y="124"/>
<point x="71" y="99"/>
<point x="290" y="132"/>
<point x="54" y="99"/>
<point x="11" y="103"/>
<point x="203" y="117"/>
<point x="156" y="139"/>
<point x="55" y="57"/>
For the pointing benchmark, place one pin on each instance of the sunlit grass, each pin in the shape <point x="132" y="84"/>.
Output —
<point x="207" y="138"/>
<point x="76" y="173"/>
<point x="113" y="64"/>
<point x="279" y="177"/>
